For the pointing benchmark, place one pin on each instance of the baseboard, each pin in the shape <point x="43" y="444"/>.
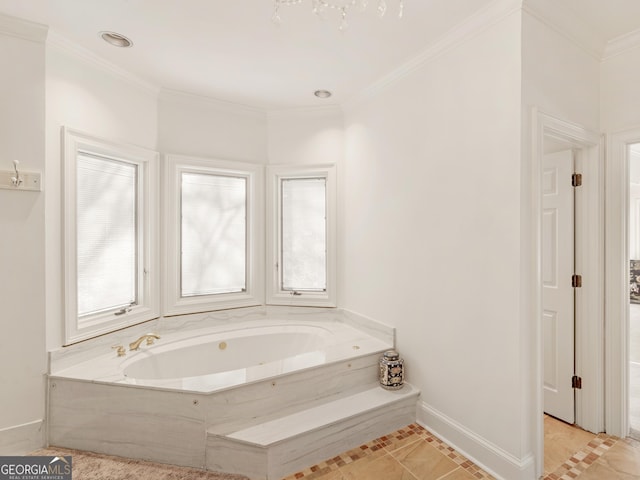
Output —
<point x="486" y="455"/>
<point x="22" y="439"/>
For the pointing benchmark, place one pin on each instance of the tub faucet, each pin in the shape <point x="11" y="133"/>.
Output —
<point x="149" y="337"/>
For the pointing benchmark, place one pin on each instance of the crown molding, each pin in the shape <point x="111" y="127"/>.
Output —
<point x="463" y="32"/>
<point x="622" y="44"/>
<point x="560" y="19"/>
<point x="63" y="44"/>
<point x="222" y="105"/>
<point x="19" y="28"/>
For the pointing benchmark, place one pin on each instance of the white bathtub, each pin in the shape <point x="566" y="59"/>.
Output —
<point x="209" y="375"/>
<point x="211" y="359"/>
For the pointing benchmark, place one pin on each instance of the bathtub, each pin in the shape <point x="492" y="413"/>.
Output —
<point x="208" y="376"/>
<point x="216" y="357"/>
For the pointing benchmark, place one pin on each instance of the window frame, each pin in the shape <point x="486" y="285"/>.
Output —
<point x="173" y="303"/>
<point x="148" y="272"/>
<point x="276" y="295"/>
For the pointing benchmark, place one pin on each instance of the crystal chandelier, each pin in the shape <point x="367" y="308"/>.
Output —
<point x="319" y="7"/>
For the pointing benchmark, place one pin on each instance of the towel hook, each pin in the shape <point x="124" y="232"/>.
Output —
<point x="16" y="180"/>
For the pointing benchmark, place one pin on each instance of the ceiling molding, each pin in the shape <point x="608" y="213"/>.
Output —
<point x="218" y="104"/>
<point x="463" y="32"/>
<point x="564" y="22"/>
<point x="622" y="44"/>
<point x="19" y="28"/>
<point x="63" y="44"/>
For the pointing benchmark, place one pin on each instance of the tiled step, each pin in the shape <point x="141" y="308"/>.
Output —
<point x="281" y="446"/>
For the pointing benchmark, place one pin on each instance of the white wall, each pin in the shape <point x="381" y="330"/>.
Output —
<point x="432" y="240"/>
<point x="87" y="96"/>
<point x="620" y="95"/>
<point x="209" y="128"/>
<point x="306" y="136"/>
<point x="559" y="77"/>
<point x="22" y="248"/>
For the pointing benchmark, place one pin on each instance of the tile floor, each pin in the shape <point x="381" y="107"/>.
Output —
<point x="413" y="453"/>
<point x="407" y="454"/>
<point x="590" y="456"/>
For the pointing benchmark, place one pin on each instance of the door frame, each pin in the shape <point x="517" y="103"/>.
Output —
<point x="617" y="281"/>
<point x="589" y="232"/>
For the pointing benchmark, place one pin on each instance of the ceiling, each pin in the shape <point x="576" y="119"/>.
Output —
<point x="231" y="50"/>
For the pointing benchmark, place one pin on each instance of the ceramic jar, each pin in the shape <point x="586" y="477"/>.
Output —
<point x="391" y="370"/>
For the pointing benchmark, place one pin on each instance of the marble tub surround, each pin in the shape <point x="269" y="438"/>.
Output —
<point x="274" y="448"/>
<point x="330" y="359"/>
<point x="374" y="328"/>
<point x="215" y="358"/>
<point x="72" y="355"/>
<point x="172" y="426"/>
<point x="224" y="320"/>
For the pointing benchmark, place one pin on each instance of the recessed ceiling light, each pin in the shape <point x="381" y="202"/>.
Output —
<point x="322" y="93"/>
<point x="116" y="39"/>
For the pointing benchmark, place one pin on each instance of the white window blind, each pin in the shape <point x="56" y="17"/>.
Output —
<point x="304" y="234"/>
<point x="213" y="234"/>
<point x="106" y="234"/>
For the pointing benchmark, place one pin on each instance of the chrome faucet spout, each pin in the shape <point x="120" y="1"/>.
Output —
<point x="149" y="337"/>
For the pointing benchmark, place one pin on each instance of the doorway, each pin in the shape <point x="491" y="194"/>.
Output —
<point x="634" y="290"/>
<point x="548" y="133"/>
<point x="622" y="377"/>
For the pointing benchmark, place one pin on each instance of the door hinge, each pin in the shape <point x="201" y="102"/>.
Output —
<point x="576" y="180"/>
<point x="576" y="281"/>
<point x="576" y="382"/>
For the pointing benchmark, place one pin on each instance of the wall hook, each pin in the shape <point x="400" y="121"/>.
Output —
<point x="16" y="180"/>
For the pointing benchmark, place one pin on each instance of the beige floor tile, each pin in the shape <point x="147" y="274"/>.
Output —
<point x="599" y="471"/>
<point x="376" y="468"/>
<point x="623" y="458"/>
<point x="458" y="474"/>
<point x="332" y="475"/>
<point x="398" y="444"/>
<point x="424" y="461"/>
<point x="561" y="441"/>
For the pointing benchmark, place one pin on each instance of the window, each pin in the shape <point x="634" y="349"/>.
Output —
<point x="212" y="233"/>
<point x="107" y="235"/>
<point x="301" y="237"/>
<point x="111" y="273"/>
<point x="303" y="214"/>
<point x="213" y="237"/>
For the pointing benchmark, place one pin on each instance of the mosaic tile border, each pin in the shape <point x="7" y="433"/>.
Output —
<point x="582" y="459"/>
<point x="389" y="442"/>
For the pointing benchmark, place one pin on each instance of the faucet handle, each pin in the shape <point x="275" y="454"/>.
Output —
<point x="120" y="350"/>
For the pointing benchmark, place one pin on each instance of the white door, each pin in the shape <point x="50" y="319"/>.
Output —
<point x="557" y="292"/>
